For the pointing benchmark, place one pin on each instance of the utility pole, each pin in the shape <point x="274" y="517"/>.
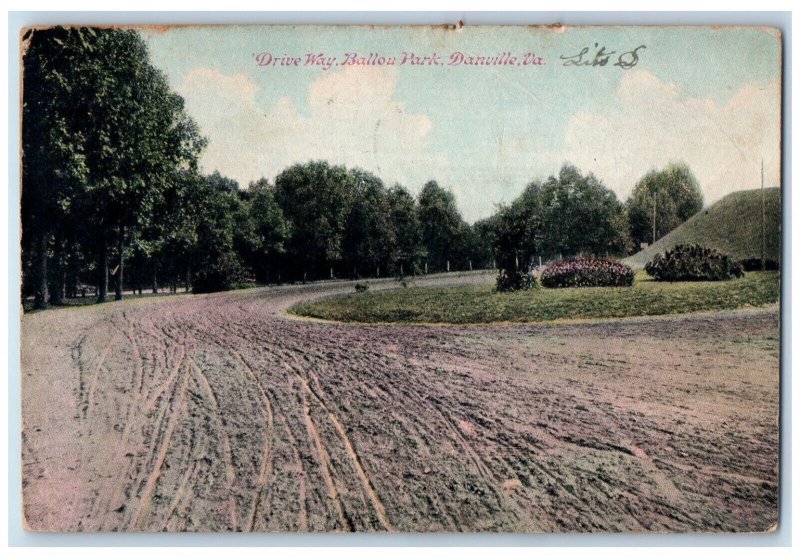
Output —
<point x="654" y="217"/>
<point x="763" y="221"/>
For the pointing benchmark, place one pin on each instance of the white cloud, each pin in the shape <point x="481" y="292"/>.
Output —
<point x="353" y="120"/>
<point x="722" y="143"/>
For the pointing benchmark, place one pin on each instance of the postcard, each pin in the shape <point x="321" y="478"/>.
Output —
<point x="454" y="278"/>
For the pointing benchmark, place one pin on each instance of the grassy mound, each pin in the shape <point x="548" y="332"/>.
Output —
<point x="732" y="225"/>
<point x="479" y="304"/>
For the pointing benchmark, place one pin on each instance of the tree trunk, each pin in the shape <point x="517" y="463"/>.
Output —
<point x="72" y="284"/>
<point x="40" y="297"/>
<point x="155" y="282"/>
<point x="102" y="290"/>
<point x="56" y="290"/>
<point x="188" y="278"/>
<point x="120" y="264"/>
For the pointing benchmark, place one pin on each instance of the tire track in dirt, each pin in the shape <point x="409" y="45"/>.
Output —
<point x="144" y="499"/>
<point x="226" y="414"/>
<point x="366" y="482"/>
<point x="266" y="405"/>
<point x="325" y="462"/>
<point x="230" y="472"/>
<point x="266" y="461"/>
<point x="93" y="383"/>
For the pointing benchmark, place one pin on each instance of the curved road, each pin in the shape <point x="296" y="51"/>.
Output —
<point x="219" y="412"/>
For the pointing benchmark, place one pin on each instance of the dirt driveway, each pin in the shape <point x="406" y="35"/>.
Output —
<point x="217" y="413"/>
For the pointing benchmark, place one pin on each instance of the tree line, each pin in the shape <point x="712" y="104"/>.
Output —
<point x="112" y="196"/>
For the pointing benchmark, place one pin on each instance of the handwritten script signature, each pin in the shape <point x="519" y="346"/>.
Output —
<point x="626" y="60"/>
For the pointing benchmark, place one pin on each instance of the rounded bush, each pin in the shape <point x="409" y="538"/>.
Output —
<point x="754" y="264"/>
<point x="362" y="287"/>
<point x="588" y="271"/>
<point x="692" y="262"/>
<point x="219" y="274"/>
<point x="514" y="281"/>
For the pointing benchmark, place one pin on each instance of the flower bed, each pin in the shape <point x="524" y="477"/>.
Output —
<point x="587" y="272"/>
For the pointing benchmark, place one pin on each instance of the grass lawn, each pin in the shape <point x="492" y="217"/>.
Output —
<point x="480" y="304"/>
<point x="732" y="225"/>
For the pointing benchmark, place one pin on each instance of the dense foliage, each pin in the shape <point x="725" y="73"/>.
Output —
<point x="589" y="271"/>
<point x="757" y="264"/>
<point x="104" y="144"/>
<point x="673" y="194"/>
<point x="514" y="281"/>
<point x="693" y="263"/>
<point x="112" y="193"/>
<point x="561" y="216"/>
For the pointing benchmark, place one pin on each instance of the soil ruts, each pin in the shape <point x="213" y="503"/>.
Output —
<point x="220" y="413"/>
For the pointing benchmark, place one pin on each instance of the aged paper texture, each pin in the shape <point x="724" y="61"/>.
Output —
<point x="401" y="279"/>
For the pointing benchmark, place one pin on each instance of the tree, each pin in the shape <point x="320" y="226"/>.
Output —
<point x="562" y="216"/>
<point x="166" y="247"/>
<point x="369" y="235"/>
<point x="407" y="251"/>
<point x="315" y="199"/>
<point x="581" y="215"/>
<point x="219" y="266"/>
<point x="104" y="134"/>
<point x="269" y="232"/>
<point x="485" y="234"/>
<point x="53" y="158"/>
<point x="442" y="226"/>
<point x="672" y="192"/>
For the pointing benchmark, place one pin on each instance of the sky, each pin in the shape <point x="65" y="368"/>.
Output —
<point x="709" y="97"/>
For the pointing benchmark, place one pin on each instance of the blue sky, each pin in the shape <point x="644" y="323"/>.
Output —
<point x="710" y="97"/>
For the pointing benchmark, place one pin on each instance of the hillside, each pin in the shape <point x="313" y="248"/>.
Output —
<point x="731" y="225"/>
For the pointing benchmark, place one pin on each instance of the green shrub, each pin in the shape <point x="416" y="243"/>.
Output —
<point x="754" y="264"/>
<point x="514" y="281"/>
<point x="587" y="271"/>
<point x="692" y="262"/>
<point x="218" y="274"/>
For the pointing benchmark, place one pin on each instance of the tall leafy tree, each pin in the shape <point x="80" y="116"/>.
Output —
<point x="369" y="236"/>
<point x="564" y="215"/>
<point x="408" y="251"/>
<point x="442" y="226"/>
<point x="315" y="200"/>
<point x="54" y="166"/>
<point x="673" y="194"/>
<point x="219" y="265"/>
<point x="168" y="242"/>
<point x="268" y="231"/>
<point x="119" y="134"/>
<point x="485" y="238"/>
<point x="579" y="214"/>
